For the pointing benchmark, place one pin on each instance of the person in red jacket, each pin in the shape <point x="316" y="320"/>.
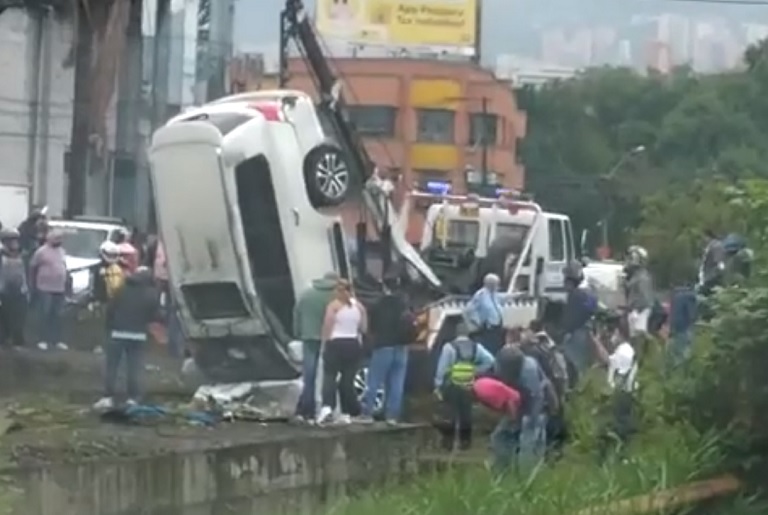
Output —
<point x="502" y="399"/>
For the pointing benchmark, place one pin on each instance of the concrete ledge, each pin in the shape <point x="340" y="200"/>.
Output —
<point x="294" y="474"/>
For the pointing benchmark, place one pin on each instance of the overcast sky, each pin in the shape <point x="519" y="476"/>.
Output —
<point x="509" y="26"/>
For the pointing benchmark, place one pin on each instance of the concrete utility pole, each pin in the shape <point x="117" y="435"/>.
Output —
<point x="161" y="54"/>
<point x="79" y="160"/>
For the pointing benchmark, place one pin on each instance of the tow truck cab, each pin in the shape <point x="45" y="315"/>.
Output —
<point x="237" y="199"/>
<point x="473" y="235"/>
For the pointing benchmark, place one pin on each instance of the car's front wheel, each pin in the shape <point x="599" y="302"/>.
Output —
<point x="327" y="175"/>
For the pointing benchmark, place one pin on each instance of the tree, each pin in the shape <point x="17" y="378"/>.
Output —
<point x="692" y="127"/>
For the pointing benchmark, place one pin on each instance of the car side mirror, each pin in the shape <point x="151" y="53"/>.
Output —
<point x="539" y="265"/>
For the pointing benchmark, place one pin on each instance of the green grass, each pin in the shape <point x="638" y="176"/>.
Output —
<point x="663" y="455"/>
<point x="658" y="460"/>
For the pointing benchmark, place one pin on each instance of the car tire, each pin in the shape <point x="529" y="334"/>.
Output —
<point x="327" y="176"/>
<point x="361" y="384"/>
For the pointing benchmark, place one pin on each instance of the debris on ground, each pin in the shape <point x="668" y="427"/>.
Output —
<point x="263" y="401"/>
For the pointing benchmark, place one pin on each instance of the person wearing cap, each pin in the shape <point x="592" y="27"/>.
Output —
<point x="49" y="279"/>
<point x="13" y="289"/>
<point x="622" y="366"/>
<point x="461" y="361"/>
<point x="391" y="329"/>
<point x="640" y="295"/>
<point x="486" y="315"/>
<point x="129" y="314"/>
<point x="32" y="231"/>
<point x="580" y="306"/>
<point x="308" y="318"/>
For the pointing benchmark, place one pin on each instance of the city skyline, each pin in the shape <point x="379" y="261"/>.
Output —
<point x="711" y="37"/>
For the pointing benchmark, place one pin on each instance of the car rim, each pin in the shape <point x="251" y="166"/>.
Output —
<point x="332" y="175"/>
<point x="361" y="385"/>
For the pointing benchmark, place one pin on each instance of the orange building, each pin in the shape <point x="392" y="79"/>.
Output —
<point x="430" y="121"/>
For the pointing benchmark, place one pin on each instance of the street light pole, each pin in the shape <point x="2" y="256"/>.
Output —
<point x="608" y="197"/>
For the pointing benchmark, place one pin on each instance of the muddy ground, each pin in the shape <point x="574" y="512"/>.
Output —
<point x="45" y="400"/>
<point x="46" y="415"/>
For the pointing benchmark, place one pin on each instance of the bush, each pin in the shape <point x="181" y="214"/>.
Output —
<point x="665" y="453"/>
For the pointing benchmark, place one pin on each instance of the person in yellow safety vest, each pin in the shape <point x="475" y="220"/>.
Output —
<point x="460" y="362"/>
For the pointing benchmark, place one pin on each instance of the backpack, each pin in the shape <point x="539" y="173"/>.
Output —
<point x="551" y="362"/>
<point x="114" y="279"/>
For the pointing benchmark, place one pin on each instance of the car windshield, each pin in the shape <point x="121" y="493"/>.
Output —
<point x="463" y="233"/>
<point x="81" y="242"/>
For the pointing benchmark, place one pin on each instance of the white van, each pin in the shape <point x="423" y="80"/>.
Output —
<point x="236" y="204"/>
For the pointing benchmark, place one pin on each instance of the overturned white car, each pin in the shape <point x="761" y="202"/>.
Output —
<point x="237" y="198"/>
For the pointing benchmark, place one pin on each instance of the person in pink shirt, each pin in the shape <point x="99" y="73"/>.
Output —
<point x="48" y="280"/>
<point x="502" y="399"/>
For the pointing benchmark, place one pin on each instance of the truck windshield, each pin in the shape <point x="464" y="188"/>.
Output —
<point x="514" y="232"/>
<point x="463" y="233"/>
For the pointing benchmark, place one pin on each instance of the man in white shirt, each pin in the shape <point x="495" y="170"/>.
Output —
<point x="622" y="381"/>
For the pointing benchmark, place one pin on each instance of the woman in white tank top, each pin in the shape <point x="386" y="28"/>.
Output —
<point x="345" y="323"/>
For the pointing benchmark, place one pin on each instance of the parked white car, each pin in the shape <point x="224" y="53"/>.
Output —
<point x="82" y="237"/>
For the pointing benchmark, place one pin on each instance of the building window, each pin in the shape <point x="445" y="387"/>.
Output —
<point x="373" y="121"/>
<point x="482" y="129"/>
<point x="435" y="125"/>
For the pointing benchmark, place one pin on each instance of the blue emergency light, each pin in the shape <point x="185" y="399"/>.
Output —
<point x="438" y="187"/>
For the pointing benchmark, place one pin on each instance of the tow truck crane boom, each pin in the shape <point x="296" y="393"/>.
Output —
<point x="295" y="24"/>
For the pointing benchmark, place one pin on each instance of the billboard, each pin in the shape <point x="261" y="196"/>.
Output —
<point x="442" y="25"/>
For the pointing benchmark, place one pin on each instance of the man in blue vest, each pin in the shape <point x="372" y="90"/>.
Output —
<point x="460" y="362"/>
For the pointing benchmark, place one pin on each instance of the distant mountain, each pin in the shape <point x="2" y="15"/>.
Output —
<point x="515" y="26"/>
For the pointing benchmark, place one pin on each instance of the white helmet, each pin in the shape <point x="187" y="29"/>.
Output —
<point x="109" y="251"/>
<point x="637" y="256"/>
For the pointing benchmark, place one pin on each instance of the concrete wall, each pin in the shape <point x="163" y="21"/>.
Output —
<point x="36" y="105"/>
<point x="295" y="471"/>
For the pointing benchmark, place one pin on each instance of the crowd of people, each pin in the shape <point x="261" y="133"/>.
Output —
<point x="129" y="287"/>
<point x="518" y="373"/>
<point x="328" y="319"/>
<point x="521" y="373"/>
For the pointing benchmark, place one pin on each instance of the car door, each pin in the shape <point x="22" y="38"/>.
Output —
<point x="557" y="256"/>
